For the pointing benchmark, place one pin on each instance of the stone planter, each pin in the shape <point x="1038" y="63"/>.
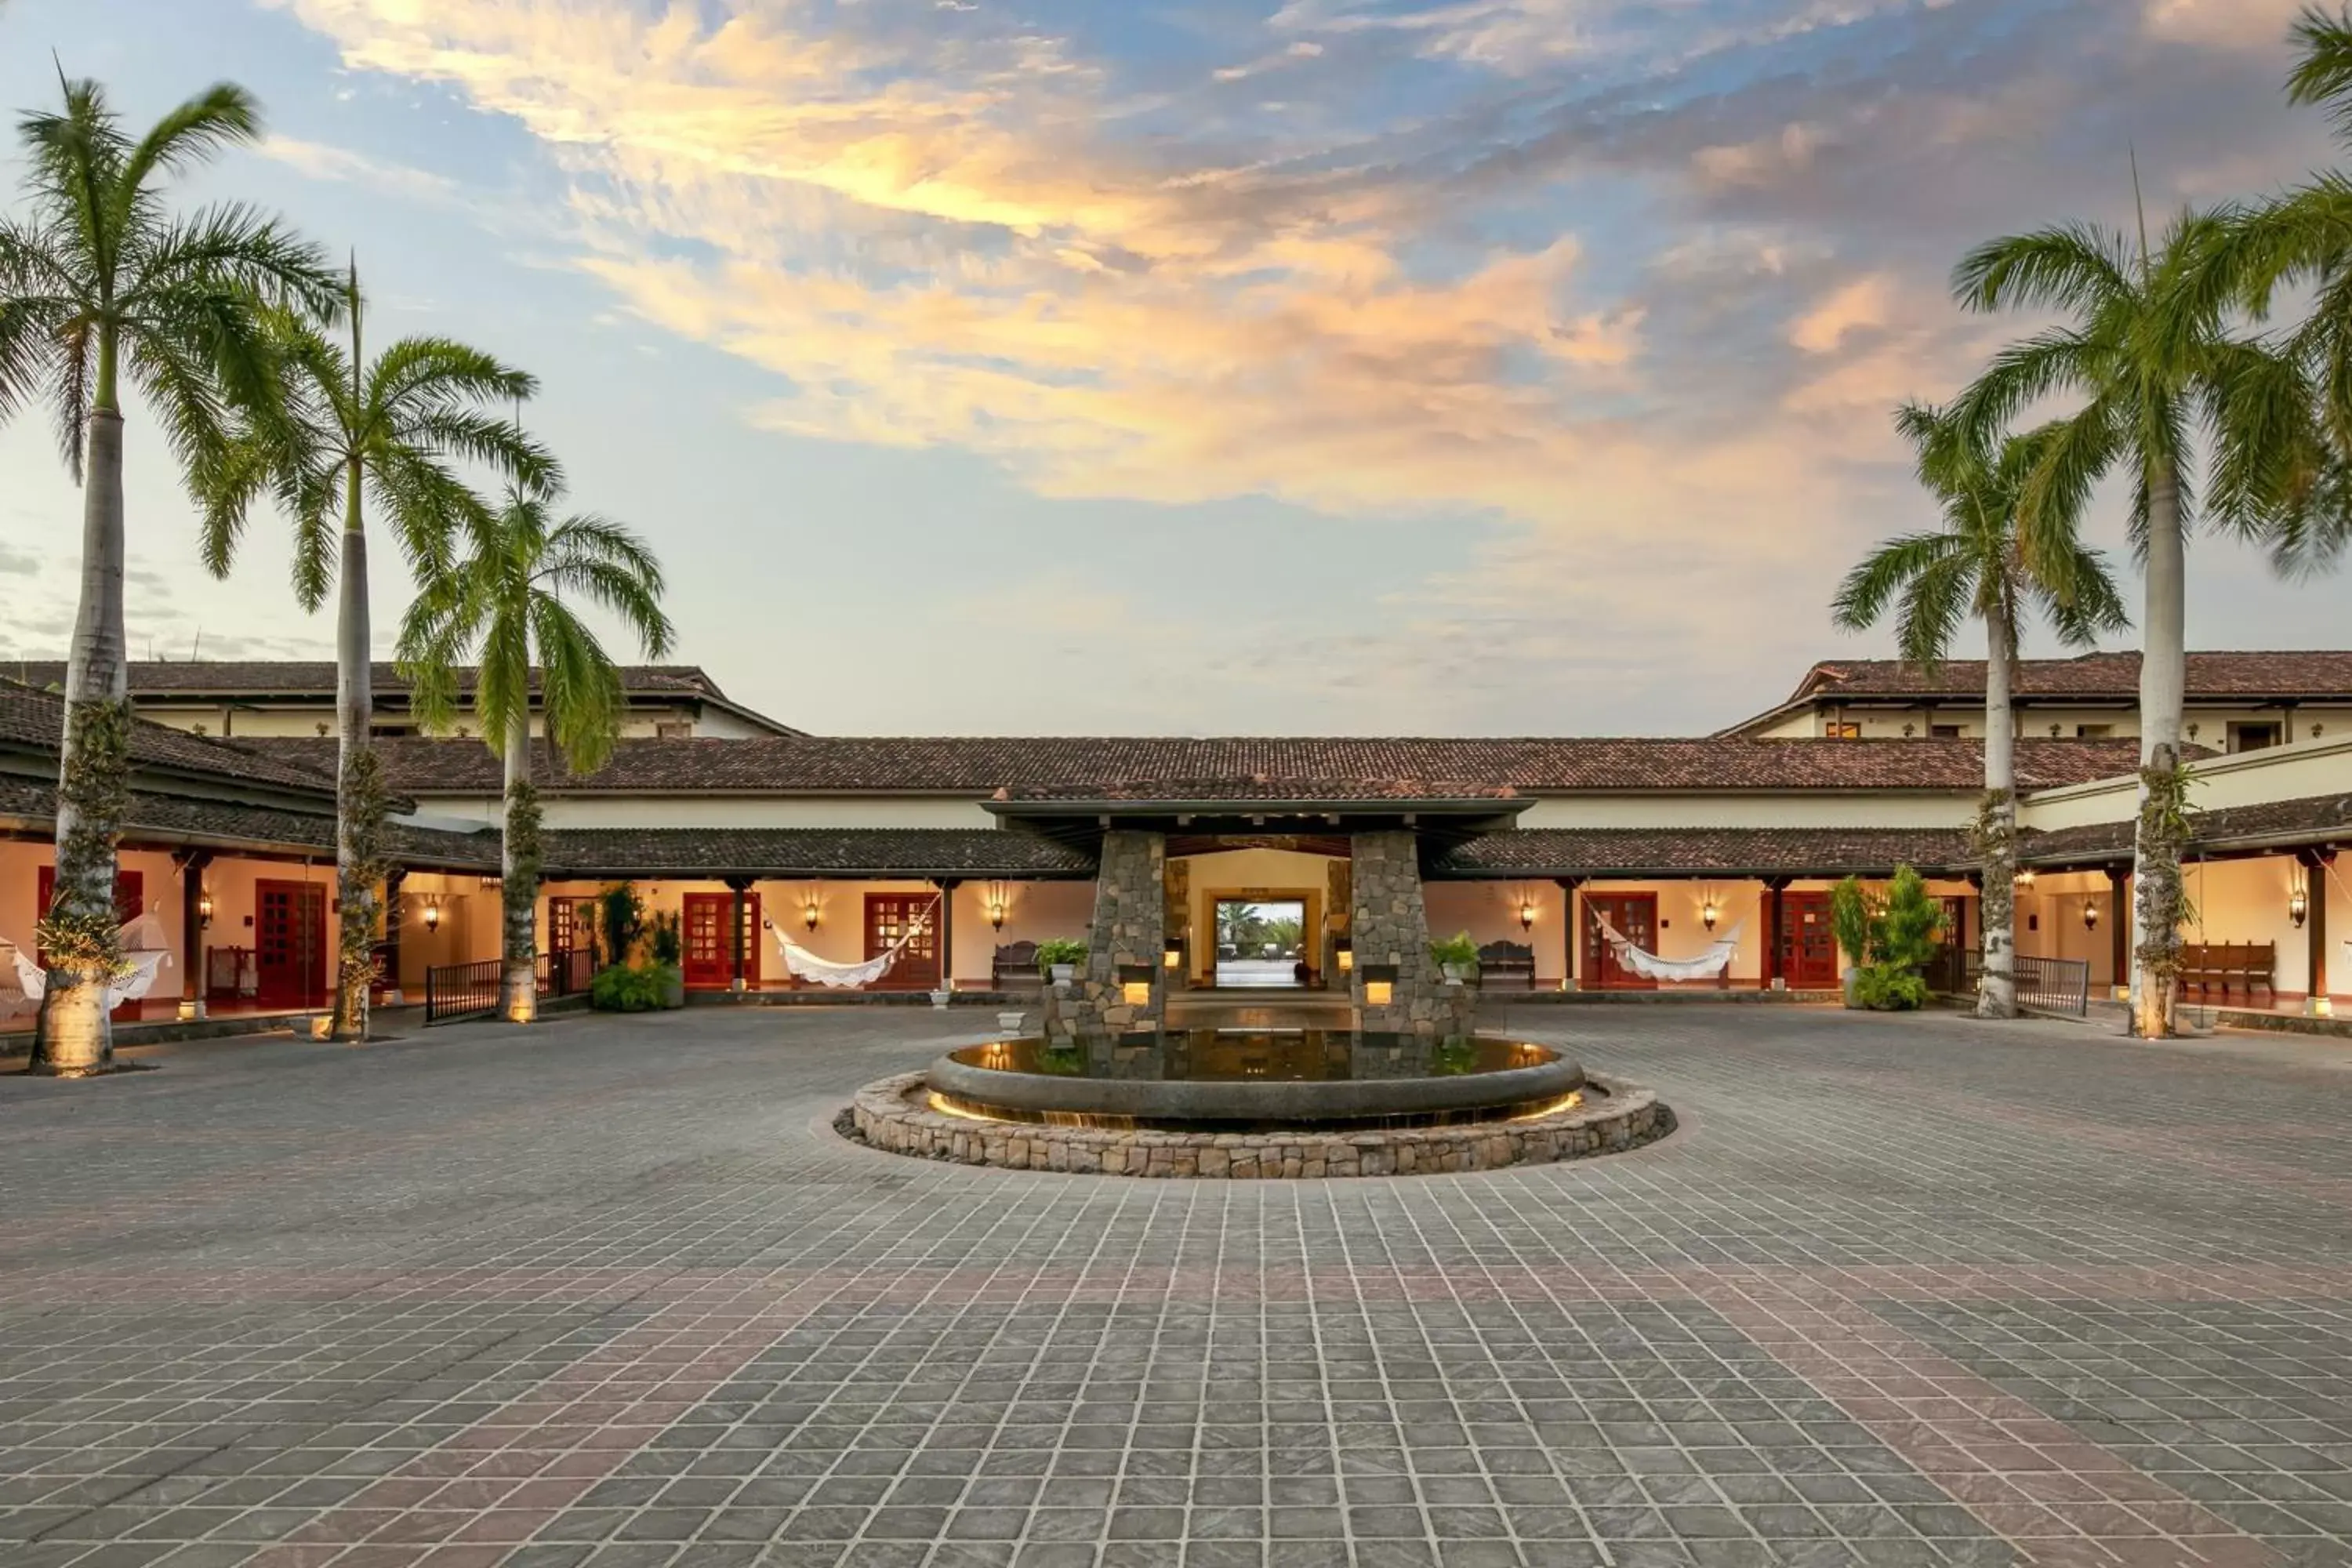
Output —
<point x="1456" y="974"/>
<point x="1010" y="1022"/>
<point x="674" y="990"/>
<point x="1063" y="974"/>
<point x="939" y="998"/>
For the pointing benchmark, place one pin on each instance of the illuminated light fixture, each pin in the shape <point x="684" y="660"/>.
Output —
<point x="1380" y="985"/>
<point x="809" y="912"/>
<point x="492" y="884"/>
<point x="2090" y="914"/>
<point x="432" y="915"/>
<point x="2298" y="906"/>
<point x="2025" y="878"/>
<point x="1708" y="914"/>
<point x="996" y="913"/>
<point x="1343" y="953"/>
<point x="205" y="907"/>
<point x="1172" y="954"/>
<point x="1526" y="914"/>
<point x="1135" y="984"/>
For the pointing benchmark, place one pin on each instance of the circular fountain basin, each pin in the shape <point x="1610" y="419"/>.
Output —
<point x="1253" y="1080"/>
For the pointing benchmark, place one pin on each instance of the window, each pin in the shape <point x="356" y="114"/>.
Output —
<point x="2253" y="737"/>
<point x="1843" y="730"/>
<point x="674" y="730"/>
<point x="1943" y="732"/>
<point x="2095" y="731"/>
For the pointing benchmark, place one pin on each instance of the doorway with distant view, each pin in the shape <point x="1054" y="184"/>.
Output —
<point x="1261" y="942"/>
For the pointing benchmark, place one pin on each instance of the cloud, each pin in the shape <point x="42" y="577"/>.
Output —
<point x="321" y="162"/>
<point x="2253" y="25"/>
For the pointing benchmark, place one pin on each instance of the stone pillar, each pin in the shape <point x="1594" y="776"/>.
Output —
<point x="1129" y="929"/>
<point x="1570" y="932"/>
<point x="1176" y="920"/>
<point x="1389" y="923"/>
<point x="1338" y="920"/>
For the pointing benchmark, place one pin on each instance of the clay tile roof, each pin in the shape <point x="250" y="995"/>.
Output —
<point x="185" y="820"/>
<point x="2312" y="674"/>
<point x="1706" y="851"/>
<point x="809" y="852"/>
<point x="2283" y="823"/>
<point x="36" y="721"/>
<point x="316" y="678"/>
<point x="978" y="769"/>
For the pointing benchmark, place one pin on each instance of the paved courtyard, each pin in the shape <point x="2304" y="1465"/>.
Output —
<point x="612" y="1293"/>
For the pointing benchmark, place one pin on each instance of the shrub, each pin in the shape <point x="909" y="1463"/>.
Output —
<point x="1891" y="939"/>
<point x="1059" y="950"/>
<point x="668" y="942"/>
<point x="622" y="915"/>
<point x="631" y="988"/>
<point x="1457" y="950"/>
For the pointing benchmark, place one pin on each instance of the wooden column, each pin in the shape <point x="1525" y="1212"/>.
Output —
<point x="2119" y="918"/>
<point x="947" y="887"/>
<point x="738" y="922"/>
<point x="2315" y="864"/>
<point x="1570" y="932"/>
<point x="1775" y="908"/>
<point x="192" y="863"/>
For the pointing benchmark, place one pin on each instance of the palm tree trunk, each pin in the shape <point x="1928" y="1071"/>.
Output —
<point x="357" y="802"/>
<point x="2163" y="677"/>
<point x="519" y="885"/>
<point x="1997" y="991"/>
<point x="74" y="1034"/>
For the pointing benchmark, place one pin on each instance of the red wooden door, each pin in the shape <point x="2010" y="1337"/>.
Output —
<point x="290" y="943"/>
<point x="1809" y="950"/>
<point x="704" y="939"/>
<point x="889" y="917"/>
<point x="1634" y="917"/>
<point x="130" y="897"/>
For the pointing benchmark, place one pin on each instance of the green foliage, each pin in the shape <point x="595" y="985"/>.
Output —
<point x="667" y="943"/>
<point x="1060" y="950"/>
<point x="1458" y="950"/>
<point x="1890" y="936"/>
<point x="88" y="939"/>
<point x="364" y="805"/>
<point x="2160" y="893"/>
<point x="622" y="914"/>
<point x="632" y="988"/>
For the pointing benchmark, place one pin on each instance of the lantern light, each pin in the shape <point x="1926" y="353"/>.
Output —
<point x="432" y="915"/>
<point x="2298" y="906"/>
<point x="809" y="914"/>
<point x="2090" y="914"/>
<point x="1172" y="956"/>
<point x="1380" y="985"/>
<point x="1526" y="914"/>
<point x="1708" y="914"/>
<point x="996" y="913"/>
<point x="1343" y="953"/>
<point x="1135" y="984"/>
<point x="2025" y="878"/>
<point x="205" y="907"/>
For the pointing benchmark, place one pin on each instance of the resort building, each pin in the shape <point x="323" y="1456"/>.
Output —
<point x="2235" y="701"/>
<point x="946" y="860"/>
<point x="265" y="697"/>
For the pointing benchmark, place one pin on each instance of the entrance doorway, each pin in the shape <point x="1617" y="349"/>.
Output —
<point x="1261" y="943"/>
<point x="290" y="944"/>
<point x="1808" y="949"/>
<point x="1634" y="917"/>
<point x="708" y="958"/>
<point x="913" y="919"/>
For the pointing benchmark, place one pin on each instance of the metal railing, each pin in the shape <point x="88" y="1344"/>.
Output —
<point x="2053" y="985"/>
<point x="460" y="991"/>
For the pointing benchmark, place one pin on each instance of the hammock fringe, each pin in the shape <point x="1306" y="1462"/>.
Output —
<point x="1713" y="961"/>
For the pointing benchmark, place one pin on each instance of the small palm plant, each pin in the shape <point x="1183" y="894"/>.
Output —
<point x="353" y="431"/>
<point x="1982" y="565"/>
<point x="503" y="605"/>
<point x="102" y="285"/>
<point x="2151" y="353"/>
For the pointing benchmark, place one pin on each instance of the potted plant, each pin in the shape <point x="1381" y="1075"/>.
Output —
<point x="1059" y="957"/>
<point x="1894" y="937"/>
<point x="667" y="944"/>
<point x="1456" y="956"/>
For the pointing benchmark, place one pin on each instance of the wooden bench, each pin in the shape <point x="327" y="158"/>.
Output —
<point x="1014" y="968"/>
<point x="2228" y="967"/>
<point x="1512" y="963"/>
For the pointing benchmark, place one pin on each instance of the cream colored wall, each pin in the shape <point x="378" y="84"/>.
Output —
<point x="1034" y="911"/>
<point x="2034" y="723"/>
<point x="2246" y="900"/>
<point x="2252" y="778"/>
<point x="1489" y="912"/>
<point x="1683" y="932"/>
<point x="1277" y="872"/>
<point x="2050" y="922"/>
<point x="600" y="810"/>
<point x="1816" y="808"/>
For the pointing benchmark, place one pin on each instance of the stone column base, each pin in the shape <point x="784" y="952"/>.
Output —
<point x="191" y="1009"/>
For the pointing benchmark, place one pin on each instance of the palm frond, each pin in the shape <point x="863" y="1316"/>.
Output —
<point x="223" y="116"/>
<point x="2323" y="73"/>
<point x="1885" y="575"/>
<point x="2074" y="267"/>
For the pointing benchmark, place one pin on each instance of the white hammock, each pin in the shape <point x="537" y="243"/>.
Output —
<point x="1649" y="966"/>
<point x="144" y="950"/>
<point x="824" y="972"/>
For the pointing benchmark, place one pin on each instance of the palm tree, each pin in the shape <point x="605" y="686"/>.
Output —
<point x="2150" y="353"/>
<point x="353" y="430"/>
<point x="100" y="283"/>
<point x="502" y="607"/>
<point x="1980" y="565"/>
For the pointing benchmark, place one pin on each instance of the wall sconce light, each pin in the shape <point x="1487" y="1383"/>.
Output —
<point x="2025" y="878"/>
<point x="2298" y="905"/>
<point x="205" y="909"/>
<point x="1343" y="953"/>
<point x="996" y="913"/>
<point x="432" y="916"/>
<point x="809" y="914"/>
<point x="492" y="884"/>
<point x="1380" y="985"/>
<point x="1135" y="984"/>
<point x="1526" y="913"/>
<point x="1172" y="956"/>
<point x="1708" y="914"/>
<point x="2090" y="914"/>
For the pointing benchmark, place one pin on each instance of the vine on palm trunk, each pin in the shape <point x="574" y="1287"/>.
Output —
<point x="89" y="941"/>
<point x="2162" y="894"/>
<point x="367" y="812"/>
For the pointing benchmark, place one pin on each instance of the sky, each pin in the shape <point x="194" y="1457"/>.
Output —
<point x="1190" y="366"/>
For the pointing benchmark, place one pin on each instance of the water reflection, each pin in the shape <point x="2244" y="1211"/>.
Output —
<point x="1269" y="1056"/>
